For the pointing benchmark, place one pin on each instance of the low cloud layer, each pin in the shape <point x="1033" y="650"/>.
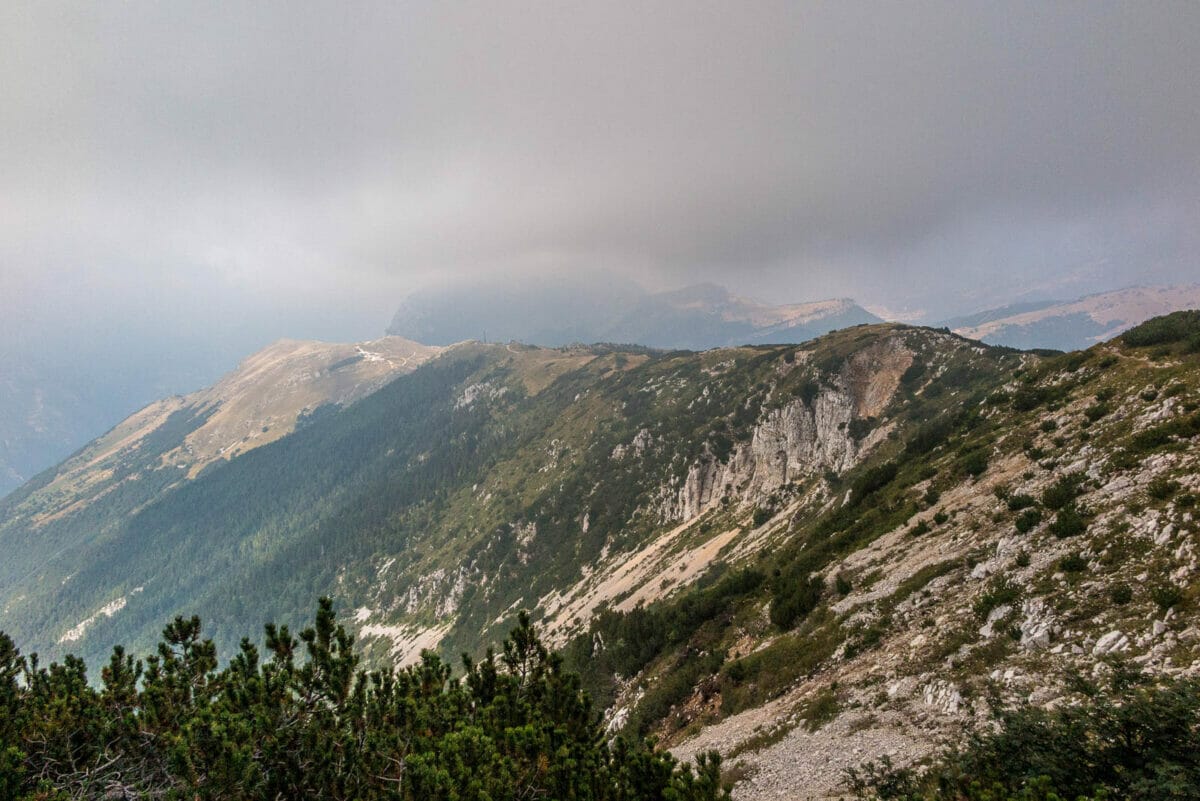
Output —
<point x="309" y="163"/>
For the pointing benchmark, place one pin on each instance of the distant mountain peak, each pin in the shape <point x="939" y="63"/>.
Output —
<point x="1074" y="324"/>
<point x="695" y="317"/>
<point x="262" y="400"/>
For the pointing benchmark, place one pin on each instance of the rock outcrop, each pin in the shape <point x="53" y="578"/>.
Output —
<point x="800" y="439"/>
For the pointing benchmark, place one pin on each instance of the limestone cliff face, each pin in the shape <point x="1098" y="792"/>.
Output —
<point x="800" y="438"/>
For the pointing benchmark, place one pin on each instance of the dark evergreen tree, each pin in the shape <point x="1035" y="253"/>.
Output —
<point x="179" y="726"/>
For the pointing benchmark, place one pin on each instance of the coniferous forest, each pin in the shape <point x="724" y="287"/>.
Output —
<point x="303" y="721"/>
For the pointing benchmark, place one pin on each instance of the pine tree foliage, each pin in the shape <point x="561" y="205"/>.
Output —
<point x="307" y="722"/>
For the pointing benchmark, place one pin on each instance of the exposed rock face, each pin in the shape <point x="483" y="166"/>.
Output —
<point x="637" y="447"/>
<point x="799" y="439"/>
<point x="1037" y="626"/>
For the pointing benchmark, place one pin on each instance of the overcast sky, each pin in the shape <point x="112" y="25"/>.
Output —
<point x="267" y="169"/>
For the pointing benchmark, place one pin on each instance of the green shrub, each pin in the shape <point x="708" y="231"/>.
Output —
<point x="764" y="674"/>
<point x="1165" y="434"/>
<point x="672" y="688"/>
<point x="918" y="580"/>
<point x="819" y="709"/>
<point x="1134" y="737"/>
<point x="913" y="374"/>
<point x="860" y="427"/>
<point x="929" y="436"/>
<point x="1021" y="501"/>
<point x="1028" y="520"/>
<point x="301" y="720"/>
<point x="975" y="463"/>
<point x="1072" y="563"/>
<point x="808" y="392"/>
<point x="1026" y="399"/>
<point x="793" y="598"/>
<point x="1161" y="488"/>
<point x="1165" y="595"/>
<point x="999" y="592"/>
<point x="1069" y="522"/>
<point x="873" y="479"/>
<point x="1120" y="594"/>
<point x="1066" y="489"/>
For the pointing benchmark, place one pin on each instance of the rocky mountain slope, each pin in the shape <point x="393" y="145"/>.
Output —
<point x="561" y="311"/>
<point x="803" y="556"/>
<point x="1071" y="325"/>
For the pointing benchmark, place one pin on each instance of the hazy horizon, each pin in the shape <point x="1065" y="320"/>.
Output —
<point x="183" y="184"/>
<point x="301" y="168"/>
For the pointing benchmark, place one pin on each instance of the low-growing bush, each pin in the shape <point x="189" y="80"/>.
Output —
<point x="1134" y="737"/>
<point x="1069" y="522"/>
<point x="1120" y="594"/>
<point x="1073" y="563"/>
<point x="793" y="598"/>
<point x="1021" y="501"/>
<point x="1028" y="520"/>
<point x="301" y="719"/>
<point x="819" y="709"/>
<point x="1161" y="488"/>
<point x="1165" y="434"/>
<point x="975" y="463"/>
<point x="999" y="592"/>
<point x="1066" y="489"/>
<point x="764" y="674"/>
<point x="1165" y="595"/>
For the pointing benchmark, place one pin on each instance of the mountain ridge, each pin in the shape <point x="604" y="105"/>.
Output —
<point x="1075" y="324"/>
<point x="800" y="555"/>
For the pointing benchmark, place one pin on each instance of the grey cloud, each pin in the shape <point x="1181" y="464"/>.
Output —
<point x="330" y="154"/>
